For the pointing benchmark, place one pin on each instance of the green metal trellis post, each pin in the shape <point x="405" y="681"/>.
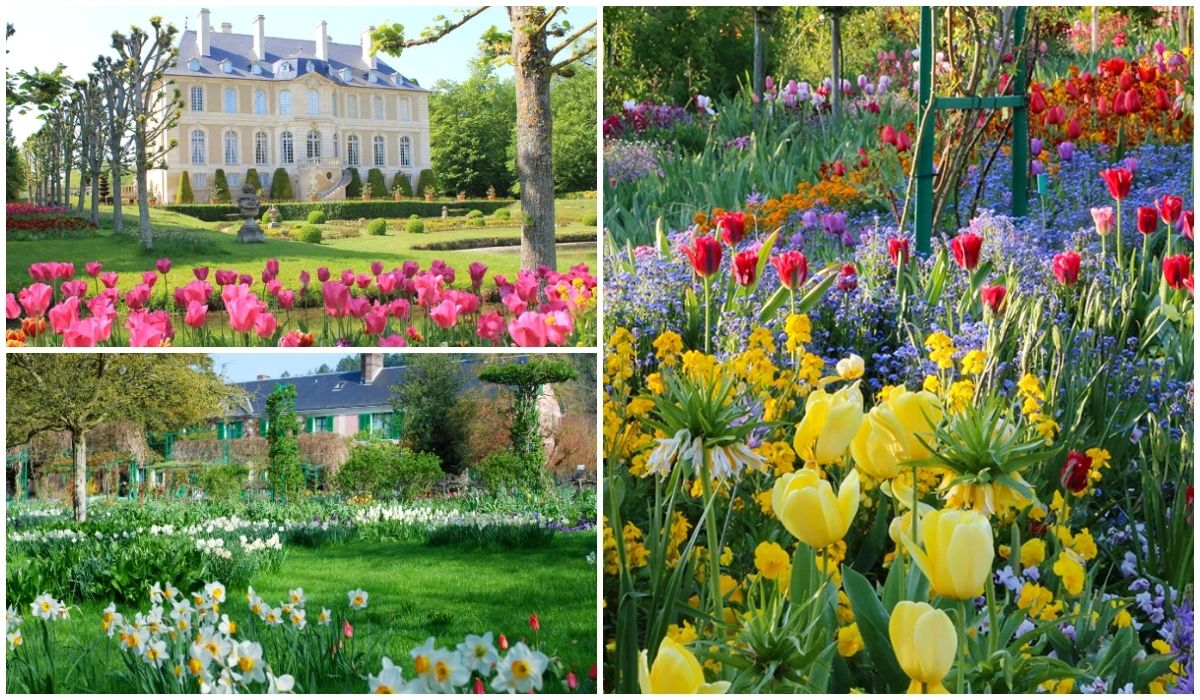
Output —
<point x="928" y="106"/>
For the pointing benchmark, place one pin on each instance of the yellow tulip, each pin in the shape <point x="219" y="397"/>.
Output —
<point x="675" y="670"/>
<point x="957" y="554"/>
<point x="829" y="424"/>
<point x="805" y="504"/>
<point x="888" y="434"/>
<point x="850" y="368"/>
<point x="903" y="523"/>
<point x="923" y="638"/>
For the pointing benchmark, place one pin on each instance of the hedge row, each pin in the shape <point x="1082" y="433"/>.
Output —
<point x="347" y="209"/>
<point x="497" y="241"/>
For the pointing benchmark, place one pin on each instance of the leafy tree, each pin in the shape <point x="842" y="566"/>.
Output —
<point x="434" y="418"/>
<point x="74" y="393"/>
<point x="525" y="381"/>
<point x="184" y="194"/>
<point x="14" y="165"/>
<point x="283" y="444"/>
<point x="377" y="183"/>
<point x="527" y="45"/>
<point x="118" y="108"/>
<point x="471" y="134"/>
<point x="220" y="187"/>
<point x="281" y="186"/>
<point x="573" y="101"/>
<point x="354" y="188"/>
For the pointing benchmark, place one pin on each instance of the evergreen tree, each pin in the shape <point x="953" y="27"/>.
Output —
<point x="281" y="186"/>
<point x="220" y="187"/>
<point x="184" y="195"/>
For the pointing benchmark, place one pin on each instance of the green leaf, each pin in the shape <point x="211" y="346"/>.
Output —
<point x="872" y="622"/>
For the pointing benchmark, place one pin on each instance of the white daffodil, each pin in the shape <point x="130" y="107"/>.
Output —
<point x="15" y="639"/>
<point x="44" y="606"/>
<point x="156" y="592"/>
<point x="259" y="607"/>
<point x="286" y="608"/>
<point x="389" y="680"/>
<point x="447" y="672"/>
<point x="278" y="685"/>
<point x="422" y="658"/>
<point x="298" y="618"/>
<point x="358" y="599"/>
<point x="155" y="653"/>
<point x="215" y="592"/>
<point x="12" y="619"/>
<point x="215" y="645"/>
<point x="324" y="617"/>
<point x="110" y="620"/>
<point x="296" y="596"/>
<point x="274" y="616"/>
<point x="247" y="659"/>
<point x="227" y="626"/>
<point x="478" y="653"/>
<point x="154" y="621"/>
<point x="521" y="670"/>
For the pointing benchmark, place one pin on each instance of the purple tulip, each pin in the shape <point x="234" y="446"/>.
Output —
<point x="1037" y="168"/>
<point x="1066" y="151"/>
<point x="1035" y="147"/>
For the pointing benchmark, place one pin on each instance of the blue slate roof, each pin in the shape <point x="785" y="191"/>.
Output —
<point x="296" y="54"/>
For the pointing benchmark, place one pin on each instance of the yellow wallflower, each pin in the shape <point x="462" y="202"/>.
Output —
<point x="1100" y="457"/>
<point x="1071" y="573"/>
<point x="960" y="395"/>
<point x="699" y="366"/>
<point x="941" y="349"/>
<point x="1034" y="597"/>
<point x="666" y="347"/>
<point x="639" y="406"/>
<point x="772" y="561"/>
<point x="1161" y="646"/>
<point x="973" y="362"/>
<point x="654" y="383"/>
<point x="1123" y="619"/>
<point x="932" y="384"/>
<point x="763" y="498"/>
<point x="849" y="640"/>
<point x="1033" y="553"/>
<point x="684" y="634"/>
<point x="1084" y="545"/>
<point x="799" y="331"/>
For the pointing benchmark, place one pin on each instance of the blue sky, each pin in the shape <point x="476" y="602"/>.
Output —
<point x="245" y="366"/>
<point x="74" y="34"/>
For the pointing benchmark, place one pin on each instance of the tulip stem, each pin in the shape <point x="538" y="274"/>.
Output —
<point x="962" y="646"/>
<point x="1119" y="246"/>
<point x="707" y="321"/>
<point x="914" y="508"/>
<point x="710" y="524"/>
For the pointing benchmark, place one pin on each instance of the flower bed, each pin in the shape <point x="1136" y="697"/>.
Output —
<point x="32" y="222"/>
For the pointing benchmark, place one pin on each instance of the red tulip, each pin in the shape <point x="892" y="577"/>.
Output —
<point x="1162" y="101"/>
<point x="1074" y="474"/>
<point x="479" y="689"/>
<point x="966" y="249"/>
<point x="572" y="681"/>
<point x="731" y="225"/>
<point x="1188" y="219"/>
<point x="1113" y="66"/>
<point x="745" y="267"/>
<point x="848" y="278"/>
<point x="1125" y="82"/>
<point x="347" y="630"/>
<point x="503" y="642"/>
<point x="534" y="623"/>
<point x="1177" y="270"/>
<point x="792" y="267"/>
<point x="888" y="135"/>
<point x="1147" y="220"/>
<point x="898" y="250"/>
<point x="1118" y="106"/>
<point x="993" y="297"/>
<point x="1119" y="180"/>
<point x="1147" y="74"/>
<point x="839" y="168"/>
<point x="705" y="255"/>
<point x="1133" y="101"/>
<point x="1055" y="115"/>
<point x="1102" y="106"/>
<point x="1037" y="102"/>
<point x="1074" y="128"/>
<point x="903" y="142"/>
<point x="1066" y="268"/>
<point x="862" y="158"/>
<point x="1169" y="208"/>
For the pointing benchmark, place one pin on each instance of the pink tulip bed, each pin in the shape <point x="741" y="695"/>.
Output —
<point x="405" y="306"/>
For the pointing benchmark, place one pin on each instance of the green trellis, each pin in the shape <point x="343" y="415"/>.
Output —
<point x="928" y="104"/>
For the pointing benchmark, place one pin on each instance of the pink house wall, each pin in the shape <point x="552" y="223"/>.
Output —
<point x="346" y="424"/>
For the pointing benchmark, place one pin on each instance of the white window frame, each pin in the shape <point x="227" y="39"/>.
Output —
<point x="353" y="151"/>
<point x="260" y="101"/>
<point x="197" y="98"/>
<point x="229" y="100"/>
<point x="377" y="108"/>
<point x="405" y="113"/>
<point x="352" y="106"/>
<point x="230" y="143"/>
<point x="199" y="145"/>
<point x="405" y="152"/>
<point x="234" y="180"/>
<point x="287" y="148"/>
<point x="262" y="148"/>
<point x="312" y="144"/>
<point x="285" y="101"/>
<point x="200" y="181"/>
<point x="379" y="152"/>
<point x="313" y="98"/>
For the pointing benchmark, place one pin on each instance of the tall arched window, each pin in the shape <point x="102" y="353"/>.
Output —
<point x="405" y="109"/>
<point x="352" y="151"/>
<point x="337" y="145"/>
<point x="377" y="108"/>
<point x="314" y="144"/>
<point x="314" y="102"/>
<point x="380" y="152"/>
<point x="231" y="148"/>
<point x="262" y="154"/>
<point x="352" y="106"/>
<point x="285" y="102"/>
<point x="198" y="147"/>
<point x="405" y="152"/>
<point x="230" y="100"/>
<point x="260" y="101"/>
<point x="287" y="155"/>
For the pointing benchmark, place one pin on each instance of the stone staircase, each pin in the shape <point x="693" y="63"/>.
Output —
<point x="339" y="186"/>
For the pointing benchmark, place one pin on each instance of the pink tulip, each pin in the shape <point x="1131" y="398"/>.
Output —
<point x="398" y="308"/>
<point x="528" y="330"/>
<point x="245" y="279"/>
<point x="305" y="278"/>
<point x="163" y="265"/>
<point x="359" y="306"/>
<point x="137" y="297"/>
<point x="64" y="314"/>
<point x="93" y="268"/>
<point x="337" y="299"/>
<point x="243" y="307"/>
<point x="85" y="333"/>
<point x="559" y="326"/>
<point x="477" y="270"/>
<point x="201" y="273"/>
<point x="1103" y="218"/>
<point x="109" y="279"/>
<point x="466" y="302"/>
<point x="265" y="324"/>
<point x="376" y="268"/>
<point x="226" y="277"/>
<point x="274" y="286"/>
<point x="149" y="278"/>
<point x="516" y="305"/>
<point x="445" y="314"/>
<point x="386" y="283"/>
<point x="11" y="308"/>
<point x="348" y="278"/>
<point x="63" y="270"/>
<point x="291" y="339"/>
<point x="363" y="281"/>
<point x="491" y="326"/>
<point x="393" y="341"/>
<point x="410" y="268"/>
<point x="429" y="288"/>
<point x="271" y="268"/>
<point x="148" y="329"/>
<point x="286" y="298"/>
<point x="375" y="320"/>
<point x="347" y="630"/>
<point x="322" y="274"/>
<point x="74" y="288"/>
<point x="526" y="285"/>
<point x="197" y="314"/>
<point x="193" y="291"/>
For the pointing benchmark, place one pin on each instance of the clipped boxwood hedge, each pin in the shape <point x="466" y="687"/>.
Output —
<point x="348" y="209"/>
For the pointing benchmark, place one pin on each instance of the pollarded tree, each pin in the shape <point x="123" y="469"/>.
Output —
<point x="526" y="382"/>
<point x="90" y="96"/>
<point x="535" y="62"/>
<point x="74" y="393"/>
<point x="117" y="107"/>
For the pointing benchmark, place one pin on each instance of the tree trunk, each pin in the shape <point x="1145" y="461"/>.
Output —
<point x="835" y="90"/>
<point x="79" y="453"/>
<point x="115" y="193"/>
<point x="531" y="67"/>
<point x="759" y="67"/>
<point x="1185" y="36"/>
<point x="143" y="192"/>
<point x="1095" y="28"/>
<point x="95" y="181"/>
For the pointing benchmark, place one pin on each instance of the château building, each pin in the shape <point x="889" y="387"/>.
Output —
<point x="312" y="107"/>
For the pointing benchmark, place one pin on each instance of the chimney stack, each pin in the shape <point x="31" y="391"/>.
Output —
<point x="204" y="33"/>
<point x="226" y="28"/>
<point x="263" y="377"/>
<point x="366" y="47"/>
<point x="322" y="42"/>
<point x="372" y="365"/>
<point x="260" y="53"/>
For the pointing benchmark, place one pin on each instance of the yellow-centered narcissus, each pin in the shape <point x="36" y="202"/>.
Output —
<point x="955" y="553"/>
<point x="807" y="507"/>
<point x="925" y="643"/>
<point x="675" y="670"/>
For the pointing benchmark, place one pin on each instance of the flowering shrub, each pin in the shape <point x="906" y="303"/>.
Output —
<point x="404" y="306"/>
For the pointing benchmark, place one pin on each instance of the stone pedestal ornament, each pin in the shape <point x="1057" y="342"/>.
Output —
<point x="275" y="217"/>
<point x="248" y="206"/>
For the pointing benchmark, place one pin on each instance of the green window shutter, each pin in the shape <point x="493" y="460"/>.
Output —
<point x="220" y="431"/>
<point x="394" y="425"/>
<point x="308" y="424"/>
<point x="364" y="421"/>
<point x="235" y="430"/>
<point x="262" y="427"/>
<point x="329" y="424"/>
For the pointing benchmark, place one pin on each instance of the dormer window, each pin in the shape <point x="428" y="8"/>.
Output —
<point x="285" y="67"/>
<point x="309" y="67"/>
<point x="373" y="77"/>
<point x="194" y="64"/>
<point x="346" y="75"/>
<point x="256" y="69"/>
<point x="226" y="66"/>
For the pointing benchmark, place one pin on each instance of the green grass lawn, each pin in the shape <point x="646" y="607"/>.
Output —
<point x="189" y="243"/>
<point x="416" y="591"/>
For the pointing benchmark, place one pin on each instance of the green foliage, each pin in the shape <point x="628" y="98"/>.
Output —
<point x="281" y="188"/>
<point x="283" y="446"/>
<point x="503" y="214"/>
<point x="801" y="44"/>
<point x="505" y="469"/>
<point x="424" y="181"/>
<point x="401" y="184"/>
<point x="477" y="221"/>
<point x="184" y="194"/>
<point x="525" y="381"/>
<point x="354" y="188"/>
<point x="220" y="187"/>
<point x="223" y="482"/>
<point x="308" y="234"/>
<point x="316" y="216"/>
<point x="498" y="538"/>
<point x="573" y="104"/>
<point x="377" y="227"/>
<point x="414" y="225"/>
<point x="380" y="468"/>
<point x="348" y="209"/>
<point x="471" y="135"/>
<point x="474" y="213"/>
<point x="435" y="419"/>
<point x="589" y="220"/>
<point x="14" y="171"/>
<point x="378" y="186"/>
<point x="253" y="180"/>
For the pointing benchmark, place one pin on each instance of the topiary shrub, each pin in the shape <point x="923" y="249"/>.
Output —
<point x="503" y="214"/>
<point x="184" y="194"/>
<point x="223" y="483"/>
<point x="383" y="469"/>
<point x="378" y="184"/>
<point x="316" y="216"/>
<point x="477" y="221"/>
<point x="474" y="214"/>
<point x="220" y="188"/>
<point x="281" y="186"/>
<point x="415" y="225"/>
<point x="354" y="188"/>
<point x="401" y="185"/>
<point x="589" y="220"/>
<point x="253" y="180"/>
<point x="424" y="180"/>
<point x="308" y="234"/>
<point x="376" y="227"/>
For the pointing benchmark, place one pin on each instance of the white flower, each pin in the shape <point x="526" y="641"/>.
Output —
<point x="274" y="616"/>
<point x="155" y="653"/>
<point x="15" y="639"/>
<point x="478" y="653"/>
<point x="280" y="684"/>
<point x="448" y="672"/>
<point x="521" y="670"/>
<point x="358" y="599"/>
<point x="156" y="593"/>
<point x="12" y="619"/>
<point x="213" y="644"/>
<point x="215" y="592"/>
<point x="296" y="596"/>
<point x="247" y="659"/>
<point x="389" y="680"/>
<point x="325" y="617"/>
<point x="298" y="618"/>
<point x="422" y="658"/>
<point x="44" y="606"/>
<point x="227" y="626"/>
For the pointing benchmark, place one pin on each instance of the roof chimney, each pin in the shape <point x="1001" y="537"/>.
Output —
<point x="322" y="42"/>
<point x="263" y="377"/>
<point x="372" y="365"/>
<point x="204" y="33"/>
<point x="259" y="44"/>
<point x="226" y="28"/>
<point x="366" y="47"/>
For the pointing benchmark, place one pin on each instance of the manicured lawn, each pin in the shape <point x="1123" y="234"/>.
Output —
<point x="189" y="242"/>
<point x="416" y="591"/>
